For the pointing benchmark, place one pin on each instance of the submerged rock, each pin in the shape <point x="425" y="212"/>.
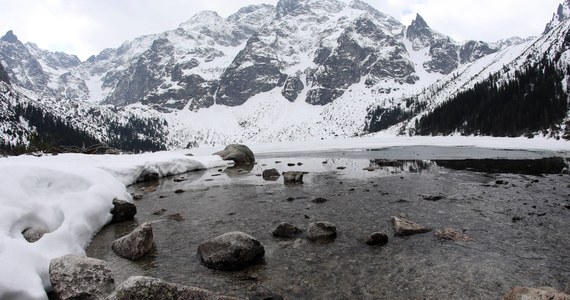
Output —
<point x="286" y="230"/>
<point x="319" y="200"/>
<point x="452" y="235"/>
<point x="136" y="244"/>
<point x="123" y="211"/>
<point x="231" y="251"/>
<point x="541" y="293"/>
<point x="148" y="288"/>
<point x="239" y="154"/>
<point x="74" y="277"/>
<point x="293" y="177"/>
<point x="403" y="227"/>
<point x="377" y="239"/>
<point x="271" y="175"/>
<point x="321" y="231"/>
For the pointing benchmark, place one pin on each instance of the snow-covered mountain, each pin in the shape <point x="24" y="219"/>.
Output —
<point x="303" y="69"/>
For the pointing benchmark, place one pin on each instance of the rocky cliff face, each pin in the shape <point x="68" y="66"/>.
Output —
<point x="561" y="14"/>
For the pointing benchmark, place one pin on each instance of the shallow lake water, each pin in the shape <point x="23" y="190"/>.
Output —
<point x="511" y="203"/>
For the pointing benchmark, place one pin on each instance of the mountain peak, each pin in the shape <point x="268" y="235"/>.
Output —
<point x="285" y="7"/>
<point x="561" y="14"/>
<point x="419" y="22"/>
<point x="10" y="37"/>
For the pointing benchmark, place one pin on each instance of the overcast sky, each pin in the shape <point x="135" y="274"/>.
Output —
<point x="85" y="27"/>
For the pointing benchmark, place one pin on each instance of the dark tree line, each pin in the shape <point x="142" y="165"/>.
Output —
<point x="533" y="100"/>
<point x="135" y="135"/>
<point x="380" y="118"/>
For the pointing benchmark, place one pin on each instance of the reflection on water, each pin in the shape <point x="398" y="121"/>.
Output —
<point x="552" y="165"/>
<point x="362" y="193"/>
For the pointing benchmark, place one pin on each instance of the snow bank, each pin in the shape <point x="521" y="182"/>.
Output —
<point x="70" y="196"/>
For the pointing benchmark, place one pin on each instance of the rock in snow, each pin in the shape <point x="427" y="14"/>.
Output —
<point x="123" y="211"/>
<point x="403" y="227"/>
<point x="231" y="251"/>
<point x="148" y="288"/>
<point x="135" y="244"/>
<point x="74" y="277"/>
<point x="239" y="154"/>
<point x="34" y="234"/>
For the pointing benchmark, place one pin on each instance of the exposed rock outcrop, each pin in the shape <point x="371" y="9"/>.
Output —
<point x="74" y="277"/>
<point x="148" y="288"/>
<point x="136" y="244"/>
<point x="239" y="154"/>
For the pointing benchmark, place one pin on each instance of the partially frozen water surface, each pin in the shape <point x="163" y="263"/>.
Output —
<point x="516" y="218"/>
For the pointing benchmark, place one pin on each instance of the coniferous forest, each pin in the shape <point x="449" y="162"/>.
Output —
<point x="532" y="101"/>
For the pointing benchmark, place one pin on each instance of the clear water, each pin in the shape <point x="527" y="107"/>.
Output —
<point x="532" y="252"/>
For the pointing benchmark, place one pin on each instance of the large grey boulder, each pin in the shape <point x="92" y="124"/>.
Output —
<point x="148" y="288"/>
<point x="239" y="154"/>
<point x="123" y="211"/>
<point x="231" y="251"/>
<point x="403" y="227"/>
<point x="136" y="244"/>
<point x="74" y="277"/>
<point x="541" y="293"/>
<point x="321" y="231"/>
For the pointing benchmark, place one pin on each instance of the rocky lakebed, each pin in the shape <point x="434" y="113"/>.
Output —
<point x="490" y="220"/>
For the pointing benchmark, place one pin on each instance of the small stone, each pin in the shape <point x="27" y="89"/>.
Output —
<point x="517" y="218"/>
<point x="176" y="217"/>
<point x="501" y="182"/>
<point x="180" y="179"/>
<point x="136" y="244"/>
<point x="137" y="196"/>
<point x="162" y="197"/>
<point x="321" y="231"/>
<point x="377" y="239"/>
<point x="290" y="199"/>
<point x="159" y="212"/>
<point x="319" y="200"/>
<point x="452" y="235"/>
<point x="286" y="230"/>
<point x="149" y="177"/>
<point x="215" y="175"/>
<point x="179" y="191"/>
<point x="271" y="174"/>
<point x="292" y="177"/>
<point x="403" y="227"/>
<point x="432" y="197"/>
<point x="341" y="168"/>
<point x="290" y="164"/>
<point x="299" y="164"/>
